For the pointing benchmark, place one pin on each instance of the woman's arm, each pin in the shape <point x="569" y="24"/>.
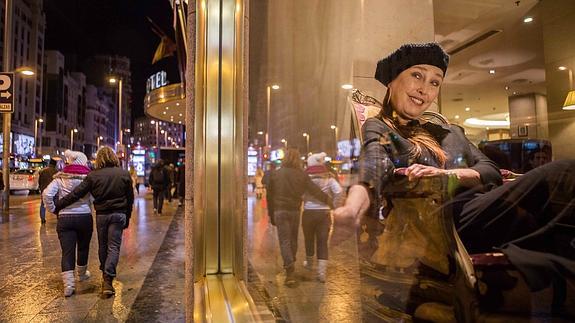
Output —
<point x="467" y="177"/>
<point x="49" y="193"/>
<point x="355" y="206"/>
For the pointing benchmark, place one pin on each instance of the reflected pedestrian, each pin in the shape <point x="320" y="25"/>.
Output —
<point x="75" y="225"/>
<point x="182" y="183"/>
<point x="44" y="178"/>
<point x="134" y="176"/>
<point x="287" y="186"/>
<point x="111" y="187"/>
<point x="316" y="219"/>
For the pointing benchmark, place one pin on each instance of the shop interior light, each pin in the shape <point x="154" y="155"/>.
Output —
<point x="347" y="86"/>
<point x="569" y="101"/>
<point x="491" y="71"/>
<point x="562" y="68"/>
<point x="275" y="87"/>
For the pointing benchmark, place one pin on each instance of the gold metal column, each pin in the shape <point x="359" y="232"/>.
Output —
<point x="219" y="137"/>
<point x="219" y="168"/>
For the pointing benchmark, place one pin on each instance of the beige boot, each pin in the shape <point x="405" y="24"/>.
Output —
<point x="308" y="263"/>
<point x="69" y="284"/>
<point x="321" y="270"/>
<point x="83" y="272"/>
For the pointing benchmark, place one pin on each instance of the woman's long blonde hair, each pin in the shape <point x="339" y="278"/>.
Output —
<point x="292" y="159"/>
<point x="105" y="157"/>
<point x="417" y="135"/>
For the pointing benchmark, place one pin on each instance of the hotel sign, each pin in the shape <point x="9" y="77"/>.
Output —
<point x="156" y="81"/>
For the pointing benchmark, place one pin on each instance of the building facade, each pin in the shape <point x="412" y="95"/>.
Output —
<point x="28" y="30"/>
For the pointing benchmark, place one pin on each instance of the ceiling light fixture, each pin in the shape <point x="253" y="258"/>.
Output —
<point x="528" y="20"/>
<point x="456" y="117"/>
<point x="347" y="86"/>
<point x="506" y="87"/>
<point x="488" y="123"/>
<point x="491" y="71"/>
<point x="562" y="68"/>
<point x="468" y="109"/>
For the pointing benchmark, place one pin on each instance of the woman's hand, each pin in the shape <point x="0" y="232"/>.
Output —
<point x="356" y="204"/>
<point x="416" y="171"/>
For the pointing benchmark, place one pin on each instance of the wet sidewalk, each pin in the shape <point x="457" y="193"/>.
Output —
<point x="146" y="286"/>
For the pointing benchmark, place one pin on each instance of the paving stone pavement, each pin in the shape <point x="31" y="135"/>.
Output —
<point x="31" y="289"/>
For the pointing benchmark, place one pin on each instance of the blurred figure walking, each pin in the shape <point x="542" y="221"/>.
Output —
<point x="316" y="219"/>
<point x="45" y="177"/>
<point x="159" y="181"/>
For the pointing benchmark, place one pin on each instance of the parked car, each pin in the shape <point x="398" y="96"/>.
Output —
<point x="25" y="179"/>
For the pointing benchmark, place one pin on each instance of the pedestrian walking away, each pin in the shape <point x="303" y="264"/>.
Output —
<point x="316" y="219"/>
<point x="45" y="177"/>
<point x="112" y="190"/>
<point x="159" y="181"/>
<point x="287" y="186"/>
<point x="75" y="225"/>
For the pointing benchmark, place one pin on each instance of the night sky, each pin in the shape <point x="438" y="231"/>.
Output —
<point x="118" y="27"/>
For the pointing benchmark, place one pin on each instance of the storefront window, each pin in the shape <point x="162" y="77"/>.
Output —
<point x="421" y="248"/>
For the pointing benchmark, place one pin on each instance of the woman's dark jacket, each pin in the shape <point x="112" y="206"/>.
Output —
<point x="384" y="150"/>
<point x="111" y="188"/>
<point x="287" y="186"/>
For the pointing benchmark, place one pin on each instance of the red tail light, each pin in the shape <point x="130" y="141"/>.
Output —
<point x="30" y="178"/>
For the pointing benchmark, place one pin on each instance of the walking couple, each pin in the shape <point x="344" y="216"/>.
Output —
<point x="287" y="187"/>
<point x="71" y="195"/>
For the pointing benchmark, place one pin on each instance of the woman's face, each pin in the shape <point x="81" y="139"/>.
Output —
<point x="413" y="91"/>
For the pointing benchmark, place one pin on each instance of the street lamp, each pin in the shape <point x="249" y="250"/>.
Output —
<point x="36" y="121"/>
<point x="165" y="133"/>
<point x="7" y="63"/>
<point x="334" y="128"/>
<point x="157" y="124"/>
<point x="114" y="80"/>
<point x="268" y="104"/>
<point x="98" y="142"/>
<point x="284" y="142"/>
<point x="72" y="131"/>
<point x="306" y="135"/>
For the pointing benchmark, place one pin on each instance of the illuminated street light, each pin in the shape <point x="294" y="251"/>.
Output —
<point x="334" y="128"/>
<point x="36" y="125"/>
<point x="72" y="132"/>
<point x="306" y="135"/>
<point x="268" y="105"/>
<point x="98" y="141"/>
<point x="284" y="142"/>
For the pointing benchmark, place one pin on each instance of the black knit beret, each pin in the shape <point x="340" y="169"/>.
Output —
<point x="408" y="55"/>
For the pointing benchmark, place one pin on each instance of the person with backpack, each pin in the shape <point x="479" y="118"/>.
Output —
<point x="159" y="182"/>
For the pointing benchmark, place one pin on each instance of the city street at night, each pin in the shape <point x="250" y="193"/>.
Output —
<point x="31" y="285"/>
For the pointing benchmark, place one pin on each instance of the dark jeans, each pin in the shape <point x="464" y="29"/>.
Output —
<point x="287" y="223"/>
<point x="316" y="225"/>
<point x="42" y="210"/>
<point x="159" y="200"/>
<point x="74" y="230"/>
<point x="110" y="227"/>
